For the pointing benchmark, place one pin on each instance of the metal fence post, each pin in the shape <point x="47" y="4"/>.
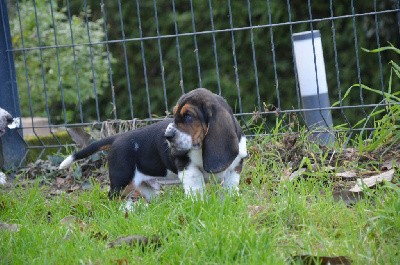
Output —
<point x="12" y="146"/>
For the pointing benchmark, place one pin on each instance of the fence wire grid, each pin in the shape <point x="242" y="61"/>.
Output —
<point x="80" y="63"/>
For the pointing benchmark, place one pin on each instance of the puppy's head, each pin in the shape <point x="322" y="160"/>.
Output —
<point x="203" y="120"/>
<point x="5" y="119"/>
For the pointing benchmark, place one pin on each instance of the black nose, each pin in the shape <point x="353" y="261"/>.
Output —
<point x="170" y="134"/>
<point x="9" y="119"/>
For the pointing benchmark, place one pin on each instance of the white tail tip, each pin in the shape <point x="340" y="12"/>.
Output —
<point x="67" y="162"/>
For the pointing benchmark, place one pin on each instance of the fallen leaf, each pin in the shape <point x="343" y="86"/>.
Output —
<point x="99" y="235"/>
<point x="72" y="220"/>
<point x="349" y="154"/>
<point x="68" y="220"/>
<point x="79" y="136"/>
<point x="286" y="173"/>
<point x="123" y="261"/>
<point x="68" y="235"/>
<point x="134" y="240"/>
<point x="77" y="173"/>
<point x="389" y="164"/>
<point x="248" y="180"/>
<point x="74" y="188"/>
<point x="60" y="182"/>
<point x="255" y="209"/>
<point x="10" y="227"/>
<point x="372" y="181"/>
<point x="327" y="169"/>
<point x="316" y="260"/>
<point x="347" y="176"/>
<point x="55" y="160"/>
<point x="348" y="197"/>
<point x="56" y="192"/>
<point x="87" y="185"/>
<point x="296" y="173"/>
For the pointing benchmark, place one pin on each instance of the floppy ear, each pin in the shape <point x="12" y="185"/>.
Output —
<point x="221" y="144"/>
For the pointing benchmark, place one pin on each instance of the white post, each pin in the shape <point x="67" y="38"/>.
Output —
<point x="310" y="67"/>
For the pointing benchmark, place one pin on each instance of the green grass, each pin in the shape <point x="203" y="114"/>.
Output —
<point x="270" y="222"/>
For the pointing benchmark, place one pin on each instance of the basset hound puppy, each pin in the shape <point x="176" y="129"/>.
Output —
<point x="202" y="142"/>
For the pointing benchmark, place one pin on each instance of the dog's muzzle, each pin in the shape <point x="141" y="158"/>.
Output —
<point x="170" y="132"/>
<point x="177" y="140"/>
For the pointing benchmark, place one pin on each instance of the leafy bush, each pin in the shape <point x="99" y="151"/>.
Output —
<point x="48" y="74"/>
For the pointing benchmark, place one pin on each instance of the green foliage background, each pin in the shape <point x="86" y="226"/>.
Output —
<point x="39" y="77"/>
<point x="388" y="31"/>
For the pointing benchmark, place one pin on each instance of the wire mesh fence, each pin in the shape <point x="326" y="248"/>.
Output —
<point x="81" y="63"/>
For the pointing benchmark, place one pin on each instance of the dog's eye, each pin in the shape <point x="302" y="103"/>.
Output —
<point x="187" y="118"/>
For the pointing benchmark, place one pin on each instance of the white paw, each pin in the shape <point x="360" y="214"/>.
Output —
<point x="127" y="206"/>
